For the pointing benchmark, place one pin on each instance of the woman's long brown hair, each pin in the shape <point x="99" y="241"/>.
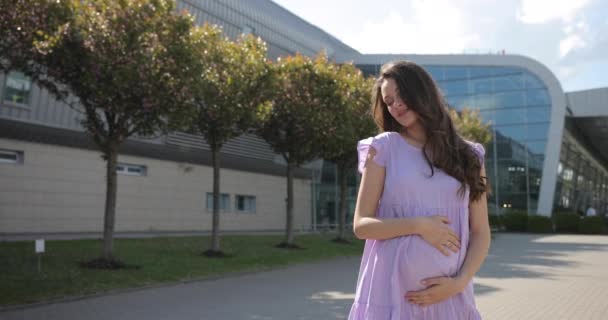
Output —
<point x="444" y="147"/>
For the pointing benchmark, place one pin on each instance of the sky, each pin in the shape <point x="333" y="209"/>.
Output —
<point x="570" y="37"/>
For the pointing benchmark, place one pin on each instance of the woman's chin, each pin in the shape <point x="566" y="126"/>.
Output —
<point x="406" y="123"/>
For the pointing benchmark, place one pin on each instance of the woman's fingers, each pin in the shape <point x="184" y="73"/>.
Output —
<point x="443" y="250"/>
<point x="455" y="241"/>
<point x="453" y="234"/>
<point x="452" y="247"/>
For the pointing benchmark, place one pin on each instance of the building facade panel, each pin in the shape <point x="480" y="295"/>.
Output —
<point x="61" y="189"/>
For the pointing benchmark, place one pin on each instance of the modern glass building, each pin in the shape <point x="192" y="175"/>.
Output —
<point x="518" y="105"/>
<point x="546" y="152"/>
<point x="549" y="149"/>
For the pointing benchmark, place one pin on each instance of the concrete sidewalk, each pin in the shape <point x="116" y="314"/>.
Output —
<point x="544" y="278"/>
<point x="525" y="277"/>
<point x="308" y="291"/>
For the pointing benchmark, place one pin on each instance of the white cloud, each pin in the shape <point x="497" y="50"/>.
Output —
<point x="432" y="26"/>
<point x="543" y="11"/>
<point x="570" y="16"/>
<point x="571" y="42"/>
<point x="575" y="39"/>
<point x="569" y="37"/>
<point x="583" y="45"/>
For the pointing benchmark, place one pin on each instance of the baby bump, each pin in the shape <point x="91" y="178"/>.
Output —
<point x="418" y="260"/>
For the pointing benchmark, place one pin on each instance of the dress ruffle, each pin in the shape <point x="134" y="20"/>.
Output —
<point x="444" y="310"/>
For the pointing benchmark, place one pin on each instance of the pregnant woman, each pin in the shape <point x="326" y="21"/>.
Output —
<point x="421" y="206"/>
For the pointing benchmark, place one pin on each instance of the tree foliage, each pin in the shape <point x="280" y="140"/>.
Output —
<point x="121" y="60"/>
<point x="230" y="82"/>
<point x="301" y="117"/>
<point x="470" y="125"/>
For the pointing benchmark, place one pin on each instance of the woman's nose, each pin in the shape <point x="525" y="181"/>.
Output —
<point x="398" y="106"/>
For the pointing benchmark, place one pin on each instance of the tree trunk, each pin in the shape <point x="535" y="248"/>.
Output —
<point x="110" y="209"/>
<point x="342" y="207"/>
<point x="289" y="227"/>
<point x="215" y="229"/>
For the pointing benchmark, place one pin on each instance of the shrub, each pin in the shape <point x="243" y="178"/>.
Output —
<point x="515" y="220"/>
<point x="495" y="222"/>
<point x="591" y="225"/>
<point x="566" y="222"/>
<point x="540" y="224"/>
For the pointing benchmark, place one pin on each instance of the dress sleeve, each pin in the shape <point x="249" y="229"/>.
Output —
<point x="379" y="144"/>
<point x="479" y="150"/>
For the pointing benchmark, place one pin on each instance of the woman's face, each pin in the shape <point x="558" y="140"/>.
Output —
<point x="396" y="107"/>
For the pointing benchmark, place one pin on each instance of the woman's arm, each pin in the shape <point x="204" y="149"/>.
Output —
<point x="479" y="241"/>
<point x="367" y="226"/>
<point x="441" y="288"/>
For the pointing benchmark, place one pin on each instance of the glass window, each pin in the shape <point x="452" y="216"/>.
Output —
<point x="509" y="116"/>
<point x="535" y="175"/>
<point x="224" y="201"/>
<point x="536" y="147"/>
<point x="459" y="102"/>
<point x="131" y="169"/>
<point x="17" y="88"/>
<point x="568" y="174"/>
<point x="480" y="86"/>
<point x="500" y="71"/>
<point x="452" y="73"/>
<point x="10" y="156"/>
<point x="538" y="131"/>
<point x="454" y="87"/>
<point x="535" y="162"/>
<point x="514" y="132"/>
<point x="537" y="97"/>
<point x="513" y="201"/>
<point x="435" y="71"/>
<point x="368" y="69"/>
<point x="542" y="114"/>
<point x="531" y="81"/>
<point x="484" y="101"/>
<point x="247" y="29"/>
<point x="508" y="82"/>
<point x="509" y="99"/>
<point x="503" y="148"/>
<point x="487" y="115"/>
<point x="480" y="72"/>
<point x="245" y="204"/>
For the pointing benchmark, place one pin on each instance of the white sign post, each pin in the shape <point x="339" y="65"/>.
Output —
<point x="39" y="251"/>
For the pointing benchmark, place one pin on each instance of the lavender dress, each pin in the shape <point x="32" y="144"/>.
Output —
<point x="390" y="268"/>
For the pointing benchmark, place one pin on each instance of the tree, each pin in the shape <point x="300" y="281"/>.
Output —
<point x="28" y="30"/>
<point x="470" y="125"/>
<point x="301" y="117"/>
<point x="230" y="83"/>
<point x="121" y="60"/>
<point x="354" y="123"/>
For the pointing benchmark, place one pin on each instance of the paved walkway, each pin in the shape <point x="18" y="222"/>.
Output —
<point x="525" y="277"/>
<point x="544" y="277"/>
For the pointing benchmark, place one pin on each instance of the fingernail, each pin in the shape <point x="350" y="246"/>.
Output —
<point x="423" y="282"/>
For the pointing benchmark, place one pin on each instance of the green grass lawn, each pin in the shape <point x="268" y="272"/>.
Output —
<point x="162" y="260"/>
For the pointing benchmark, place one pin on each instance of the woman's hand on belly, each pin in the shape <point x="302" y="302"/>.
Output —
<point x="438" y="289"/>
<point x="435" y="231"/>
